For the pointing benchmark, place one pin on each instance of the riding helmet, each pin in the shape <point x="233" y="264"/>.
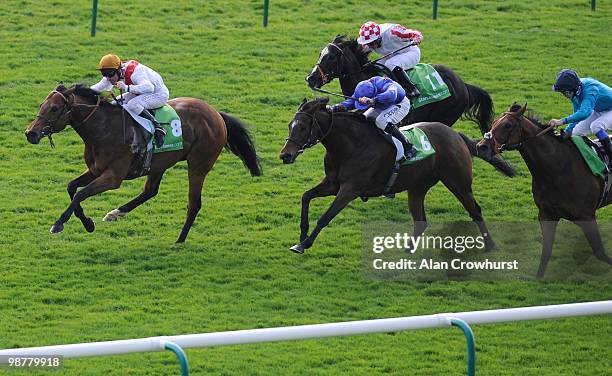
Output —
<point x="567" y="80"/>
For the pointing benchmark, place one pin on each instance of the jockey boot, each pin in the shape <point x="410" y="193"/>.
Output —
<point x="160" y="132"/>
<point x="409" y="149"/>
<point x="607" y="146"/>
<point x="402" y="78"/>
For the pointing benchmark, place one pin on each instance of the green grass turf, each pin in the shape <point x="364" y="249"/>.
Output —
<point x="129" y="280"/>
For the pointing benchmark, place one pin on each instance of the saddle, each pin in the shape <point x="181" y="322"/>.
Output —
<point x="596" y="145"/>
<point x="598" y="148"/>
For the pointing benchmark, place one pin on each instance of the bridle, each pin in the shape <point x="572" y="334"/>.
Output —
<point x="312" y="138"/>
<point x="505" y="146"/>
<point x="49" y="129"/>
<point x="327" y="77"/>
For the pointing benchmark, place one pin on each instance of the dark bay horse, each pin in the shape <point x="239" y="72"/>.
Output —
<point x="345" y="59"/>
<point x="562" y="184"/>
<point x="107" y="132"/>
<point x="358" y="163"/>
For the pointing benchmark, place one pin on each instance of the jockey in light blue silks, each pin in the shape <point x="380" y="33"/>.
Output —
<point x="592" y="101"/>
<point x="387" y="105"/>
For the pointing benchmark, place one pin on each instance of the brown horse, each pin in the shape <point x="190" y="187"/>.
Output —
<point x="562" y="184"/>
<point x="358" y="163"/>
<point x="107" y="132"/>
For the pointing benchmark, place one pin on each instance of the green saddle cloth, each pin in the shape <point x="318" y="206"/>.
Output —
<point x="428" y="80"/>
<point x="598" y="168"/>
<point x="168" y="117"/>
<point x="419" y="139"/>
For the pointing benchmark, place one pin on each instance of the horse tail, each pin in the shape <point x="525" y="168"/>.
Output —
<point x="496" y="160"/>
<point x="480" y="107"/>
<point x="239" y="142"/>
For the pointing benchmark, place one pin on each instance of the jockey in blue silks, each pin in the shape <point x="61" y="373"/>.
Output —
<point x="386" y="104"/>
<point x="592" y="102"/>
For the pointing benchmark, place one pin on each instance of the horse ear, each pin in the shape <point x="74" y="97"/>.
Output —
<point x="515" y="107"/>
<point x="304" y="101"/>
<point x="523" y="109"/>
<point x="324" y="100"/>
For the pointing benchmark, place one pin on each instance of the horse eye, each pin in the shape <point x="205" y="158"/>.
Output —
<point x="507" y="125"/>
<point x="53" y="108"/>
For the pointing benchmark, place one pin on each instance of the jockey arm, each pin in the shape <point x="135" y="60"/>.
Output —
<point x="348" y="104"/>
<point x="582" y="110"/>
<point x="140" y="83"/>
<point x="103" y="85"/>
<point x="407" y="35"/>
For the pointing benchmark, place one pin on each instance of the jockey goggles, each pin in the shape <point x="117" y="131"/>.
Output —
<point x="108" y="72"/>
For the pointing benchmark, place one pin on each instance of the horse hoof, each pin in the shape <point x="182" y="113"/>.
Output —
<point x="298" y="248"/>
<point x="113" y="215"/>
<point x="57" y="227"/>
<point x="89" y="224"/>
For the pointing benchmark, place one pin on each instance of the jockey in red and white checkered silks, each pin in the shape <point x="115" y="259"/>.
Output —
<point x="388" y="37"/>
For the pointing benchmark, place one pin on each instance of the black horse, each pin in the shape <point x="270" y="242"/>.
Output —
<point x="358" y="164"/>
<point x="562" y="184"/>
<point x="345" y="59"/>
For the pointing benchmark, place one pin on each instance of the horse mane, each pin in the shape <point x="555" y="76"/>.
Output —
<point x="529" y="114"/>
<point x="85" y="92"/>
<point x="343" y="41"/>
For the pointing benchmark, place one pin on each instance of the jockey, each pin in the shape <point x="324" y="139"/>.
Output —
<point x="387" y="105"/>
<point x="143" y="88"/>
<point x="386" y="38"/>
<point x="592" y="102"/>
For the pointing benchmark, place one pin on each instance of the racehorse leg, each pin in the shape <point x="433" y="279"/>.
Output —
<point x="416" y="205"/>
<point x="196" y="181"/>
<point x="591" y="231"/>
<point x="464" y="194"/>
<point x="345" y="195"/>
<point x="81" y="181"/>
<point x="548" y="227"/>
<point x="323" y="189"/>
<point x="149" y="191"/>
<point x="108" y="180"/>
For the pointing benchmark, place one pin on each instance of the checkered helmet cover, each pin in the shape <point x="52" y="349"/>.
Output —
<point x="369" y="32"/>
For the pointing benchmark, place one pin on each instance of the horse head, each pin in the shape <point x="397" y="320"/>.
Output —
<point x="340" y="58"/>
<point x="304" y="129"/>
<point x="53" y="115"/>
<point x="506" y="132"/>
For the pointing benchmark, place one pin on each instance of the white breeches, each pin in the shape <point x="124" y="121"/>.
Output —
<point x="139" y="102"/>
<point x="405" y="60"/>
<point x="594" y="123"/>
<point x="394" y="114"/>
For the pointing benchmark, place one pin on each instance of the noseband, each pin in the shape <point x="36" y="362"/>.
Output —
<point x="309" y="142"/>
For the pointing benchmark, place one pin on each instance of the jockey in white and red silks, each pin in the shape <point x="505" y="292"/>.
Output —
<point x="388" y="37"/>
<point x="143" y="88"/>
